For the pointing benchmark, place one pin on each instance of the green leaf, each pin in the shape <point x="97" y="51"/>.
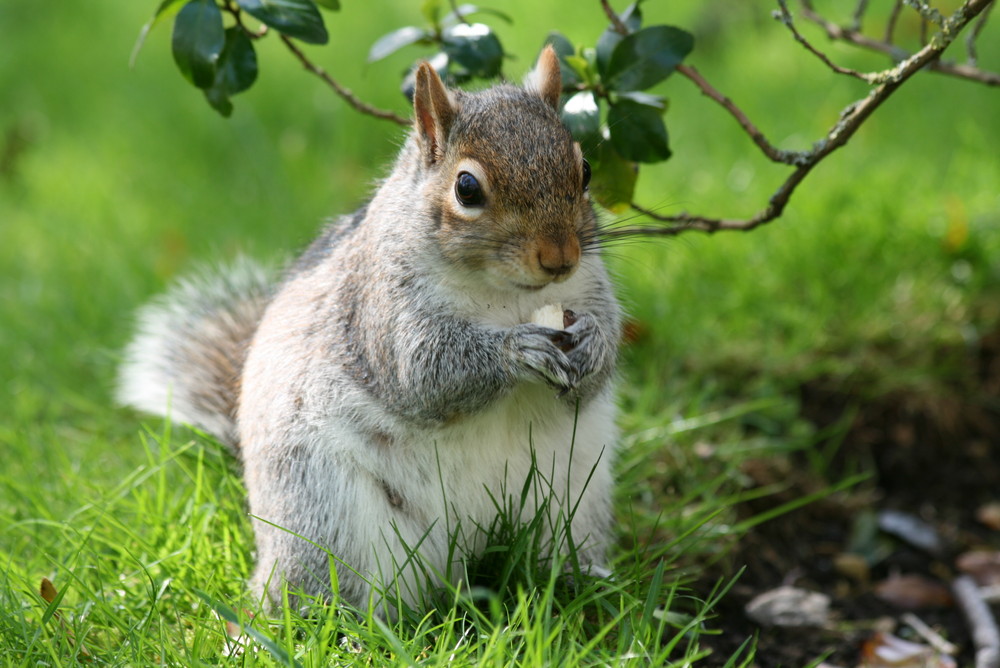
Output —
<point x="396" y="40"/>
<point x="219" y="101"/>
<point x="238" y="62"/>
<point x="473" y="50"/>
<point x="236" y="71"/>
<point x="198" y="40"/>
<point x="614" y="177"/>
<point x="296" y="18"/>
<point x="645" y="58"/>
<point x="431" y="9"/>
<point x="332" y="5"/>
<point x="564" y="49"/>
<point x="638" y="132"/>
<point x="166" y="9"/>
<point x="465" y="11"/>
<point x="609" y="39"/>
<point x="648" y="99"/>
<point x="582" y="117"/>
<point x="578" y="65"/>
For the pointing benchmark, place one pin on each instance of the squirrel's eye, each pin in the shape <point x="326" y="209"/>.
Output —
<point x="467" y="190"/>
<point x="586" y="175"/>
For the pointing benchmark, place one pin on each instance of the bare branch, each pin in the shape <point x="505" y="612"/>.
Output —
<point x="970" y="39"/>
<point x="859" y="13"/>
<point x="786" y="18"/>
<point x="927" y="13"/>
<point x="890" y="28"/>
<point x="774" y="154"/>
<point x="840" y="33"/>
<point x="851" y="118"/>
<point x="342" y="91"/>
<point x="616" y="20"/>
<point x="457" y="11"/>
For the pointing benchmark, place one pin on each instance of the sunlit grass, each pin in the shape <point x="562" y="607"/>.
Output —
<point x="887" y="255"/>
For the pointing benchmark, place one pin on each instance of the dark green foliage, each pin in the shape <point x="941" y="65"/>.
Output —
<point x="647" y="57"/>
<point x="618" y="71"/>
<point x="626" y="61"/>
<point x="637" y="131"/>
<point x="296" y="18"/>
<point x="198" y="41"/>
<point x="465" y="50"/>
<point x="473" y="50"/>
<point x="222" y="60"/>
<point x="236" y="71"/>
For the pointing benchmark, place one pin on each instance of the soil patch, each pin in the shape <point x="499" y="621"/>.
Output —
<point x="934" y="459"/>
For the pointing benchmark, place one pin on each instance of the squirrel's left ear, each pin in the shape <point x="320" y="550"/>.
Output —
<point x="434" y="110"/>
<point x="546" y="79"/>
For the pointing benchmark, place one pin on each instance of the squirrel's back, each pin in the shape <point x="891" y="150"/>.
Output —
<point x="187" y="354"/>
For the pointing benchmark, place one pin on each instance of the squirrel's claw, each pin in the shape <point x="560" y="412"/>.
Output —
<point x="541" y="351"/>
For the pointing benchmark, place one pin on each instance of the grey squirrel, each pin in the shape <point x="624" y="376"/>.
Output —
<point x="395" y="383"/>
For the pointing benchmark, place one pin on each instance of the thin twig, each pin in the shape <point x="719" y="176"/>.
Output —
<point x="859" y="13"/>
<point x="785" y="17"/>
<point x="890" y="27"/>
<point x="985" y="634"/>
<point x="851" y="118"/>
<point x="237" y="14"/>
<point x="970" y="39"/>
<point x="836" y="32"/>
<point x="616" y="20"/>
<point x="967" y="71"/>
<point x="456" y="10"/>
<point x="773" y="153"/>
<point x="340" y="90"/>
<point x="840" y="33"/>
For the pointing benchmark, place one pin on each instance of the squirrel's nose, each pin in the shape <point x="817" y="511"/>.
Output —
<point x="559" y="259"/>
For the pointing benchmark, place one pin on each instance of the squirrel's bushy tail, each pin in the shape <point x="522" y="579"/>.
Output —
<point x="186" y="356"/>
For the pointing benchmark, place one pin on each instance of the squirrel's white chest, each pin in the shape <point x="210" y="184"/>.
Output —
<point x="457" y="475"/>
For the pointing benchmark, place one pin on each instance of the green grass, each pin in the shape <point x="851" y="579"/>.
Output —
<point x="889" y="254"/>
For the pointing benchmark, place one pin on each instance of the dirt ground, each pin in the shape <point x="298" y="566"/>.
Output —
<point x="936" y="463"/>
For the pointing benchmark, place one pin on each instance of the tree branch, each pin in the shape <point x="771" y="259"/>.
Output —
<point x="342" y="91"/>
<point x="616" y="20"/>
<point x="890" y="28"/>
<point x="786" y="18"/>
<point x="851" y="118"/>
<point x="859" y="13"/>
<point x="773" y="153"/>
<point x="970" y="40"/>
<point x="852" y="36"/>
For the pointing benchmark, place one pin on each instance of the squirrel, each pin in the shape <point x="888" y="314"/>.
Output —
<point x="387" y="392"/>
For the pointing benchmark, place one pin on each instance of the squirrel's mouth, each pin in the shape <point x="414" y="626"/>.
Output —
<point x="529" y="288"/>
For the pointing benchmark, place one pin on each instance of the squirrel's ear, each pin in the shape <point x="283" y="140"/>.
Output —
<point x="546" y="79"/>
<point x="434" y="111"/>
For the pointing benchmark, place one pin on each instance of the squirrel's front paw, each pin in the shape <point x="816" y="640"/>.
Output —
<point x="584" y="351"/>
<point x="540" y="350"/>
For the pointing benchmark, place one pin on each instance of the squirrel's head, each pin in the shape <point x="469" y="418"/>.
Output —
<point x="505" y="183"/>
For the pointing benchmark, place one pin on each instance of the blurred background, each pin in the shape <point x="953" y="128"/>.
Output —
<point x="114" y="179"/>
<point x="879" y="283"/>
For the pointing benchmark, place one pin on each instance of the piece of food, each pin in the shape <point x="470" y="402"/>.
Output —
<point x="550" y="315"/>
